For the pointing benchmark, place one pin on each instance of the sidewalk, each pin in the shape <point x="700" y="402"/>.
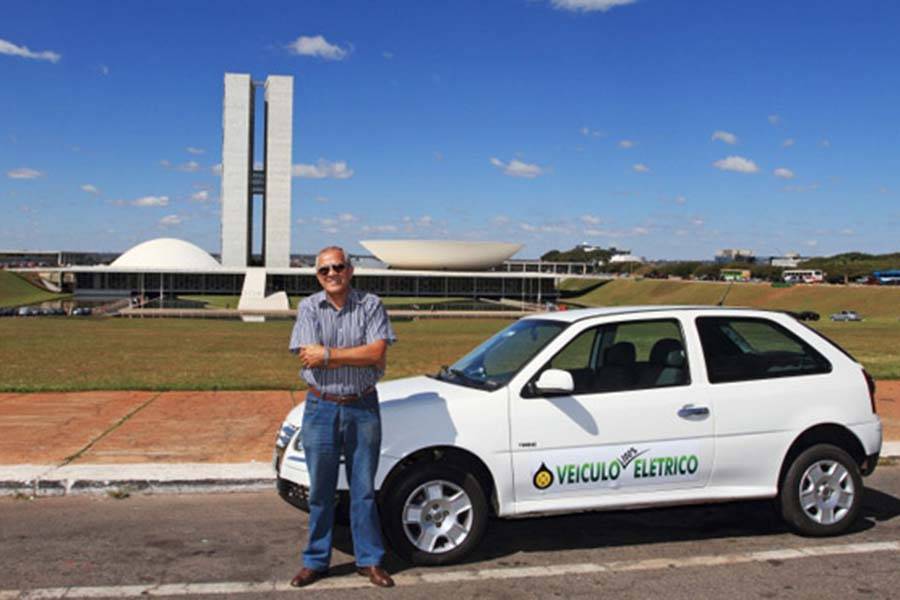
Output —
<point x="58" y="443"/>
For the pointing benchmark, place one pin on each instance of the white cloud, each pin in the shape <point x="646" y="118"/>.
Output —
<point x="11" y="49"/>
<point x="588" y="132"/>
<point x="24" y="173"/>
<point x="90" y="189"/>
<point x="783" y="173"/>
<point x="317" y="46"/>
<point x="379" y="228"/>
<point x="190" y="166"/>
<point x="347" y="218"/>
<point x="680" y="200"/>
<point x="640" y="168"/>
<point x="774" y="119"/>
<point x="697" y="222"/>
<point x="627" y="144"/>
<point x="590" y="220"/>
<point x="812" y="243"/>
<point x="323" y="169"/>
<point x="517" y="168"/>
<point x="151" y="201"/>
<point x="171" y="220"/>
<point x="322" y="200"/>
<point x="825" y="143"/>
<point x="193" y="150"/>
<point x="725" y="136"/>
<point x="104" y="70"/>
<point x="387" y="55"/>
<point x="640" y="231"/>
<point x="738" y="164"/>
<point x="847" y="231"/>
<point x="216" y="169"/>
<point x="788" y="143"/>
<point x="201" y="196"/>
<point x="325" y="221"/>
<point x="425" y="221"/>
<point x="589" y="5"/>
<point x="500" y="220"/>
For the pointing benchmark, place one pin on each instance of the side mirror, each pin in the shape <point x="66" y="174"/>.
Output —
<point x="555" y="381"/>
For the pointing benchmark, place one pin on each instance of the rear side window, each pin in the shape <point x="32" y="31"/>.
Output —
<point x="744" y="349"/>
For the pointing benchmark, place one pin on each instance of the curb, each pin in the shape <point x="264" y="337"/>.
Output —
<point x="159" y="478"/>
<point x="148" y="478"/>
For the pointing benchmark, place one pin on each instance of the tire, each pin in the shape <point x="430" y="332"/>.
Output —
<point x="822" y="492"/>
<point x="446" y="514"/>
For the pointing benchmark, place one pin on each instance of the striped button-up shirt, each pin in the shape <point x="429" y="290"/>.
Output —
<point x="361" y="321"/>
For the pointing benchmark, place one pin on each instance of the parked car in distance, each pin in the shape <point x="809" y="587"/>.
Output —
<point x="804" y="315"/>
<point x="846" y="315"/>
<point x="82" y="311"/>
<point x="610" y="409"/>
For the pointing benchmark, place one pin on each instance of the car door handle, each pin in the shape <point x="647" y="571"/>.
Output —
<point x="689" y="410"/>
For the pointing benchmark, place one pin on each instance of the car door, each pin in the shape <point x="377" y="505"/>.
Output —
<point x="630" y="426"/>
<point x="765" y="383"/>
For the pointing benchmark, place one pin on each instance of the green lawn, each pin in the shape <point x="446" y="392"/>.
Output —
<point x="869" y="301"/>
<point x="103" y="353"/>
<point x="15" y="290"/>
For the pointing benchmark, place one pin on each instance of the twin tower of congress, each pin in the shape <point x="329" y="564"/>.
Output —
<point x="242" y="177"/>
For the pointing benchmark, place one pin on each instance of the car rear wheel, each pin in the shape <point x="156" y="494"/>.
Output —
<point x="435" y="514"/>
<point x="821" y="494"/>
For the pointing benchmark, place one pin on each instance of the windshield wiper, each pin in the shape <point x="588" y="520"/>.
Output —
<point x="461" y="375"/>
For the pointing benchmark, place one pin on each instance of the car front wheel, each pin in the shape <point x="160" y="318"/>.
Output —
<point x="435" y="514"/>
<point x="821" y="494"/>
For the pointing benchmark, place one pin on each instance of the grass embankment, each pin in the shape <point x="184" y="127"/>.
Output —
<point x="869" y="301"/>
<point x="212" y="301"/>
<point x="196" y="354"/>
<point x="15" y="290"/>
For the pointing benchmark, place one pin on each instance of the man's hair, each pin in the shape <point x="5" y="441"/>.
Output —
<point x="332" y="249"/>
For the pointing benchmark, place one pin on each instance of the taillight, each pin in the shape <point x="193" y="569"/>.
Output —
<point x="871" y="383"/>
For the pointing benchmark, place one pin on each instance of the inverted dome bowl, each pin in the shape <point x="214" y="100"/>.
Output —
<point x="443" y="255"/>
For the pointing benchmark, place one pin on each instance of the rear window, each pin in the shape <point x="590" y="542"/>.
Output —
<point x="745" y="349"/>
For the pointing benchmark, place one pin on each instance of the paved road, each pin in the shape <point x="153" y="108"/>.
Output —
<point x="248" y="545"/>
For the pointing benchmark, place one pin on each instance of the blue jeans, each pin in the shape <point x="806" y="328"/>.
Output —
<point x="354" y="431"/>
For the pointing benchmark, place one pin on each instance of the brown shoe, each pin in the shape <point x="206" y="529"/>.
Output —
<point x="307" y="576"/>
<point x="377" y="576"/>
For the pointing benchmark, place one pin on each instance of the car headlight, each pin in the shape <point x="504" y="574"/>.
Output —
<point x="285" y="435"/>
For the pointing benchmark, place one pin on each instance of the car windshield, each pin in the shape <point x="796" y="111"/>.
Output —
<point x="492" y="364"/>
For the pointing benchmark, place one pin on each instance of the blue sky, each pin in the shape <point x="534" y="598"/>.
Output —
<point x="673" y="128"/>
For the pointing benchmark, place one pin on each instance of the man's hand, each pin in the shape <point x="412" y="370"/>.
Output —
<point x="312" y="356"/>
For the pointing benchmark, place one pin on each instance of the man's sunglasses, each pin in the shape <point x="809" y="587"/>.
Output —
<point x="336" y="267"/>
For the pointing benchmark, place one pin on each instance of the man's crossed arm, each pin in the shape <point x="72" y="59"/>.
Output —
<point x="367" y="355"/>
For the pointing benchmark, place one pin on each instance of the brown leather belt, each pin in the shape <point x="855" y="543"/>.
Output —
<point x="342" y="399"/>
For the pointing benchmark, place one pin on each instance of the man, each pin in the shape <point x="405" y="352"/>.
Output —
<point x="341" y="335"/>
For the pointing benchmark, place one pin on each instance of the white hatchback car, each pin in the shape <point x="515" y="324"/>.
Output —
<point x="617" y="408"/>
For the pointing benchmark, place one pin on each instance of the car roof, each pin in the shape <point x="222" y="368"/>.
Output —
<point x="571" y="316"/>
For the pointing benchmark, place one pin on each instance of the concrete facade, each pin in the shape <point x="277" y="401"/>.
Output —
<point x="241" y="181"/>
<point x="237" y="164"/>
<point x="278" y="142"/>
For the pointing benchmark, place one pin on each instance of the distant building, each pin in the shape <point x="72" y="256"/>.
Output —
<point x="735" y="255"/>
<point x="790" y="260"/>
<point x="625" y="258"/>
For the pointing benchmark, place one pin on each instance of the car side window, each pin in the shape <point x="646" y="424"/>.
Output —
<point x="625" y="356"/>
<point x="745" y="349"/>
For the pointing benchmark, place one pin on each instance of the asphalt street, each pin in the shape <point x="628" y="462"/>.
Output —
<point x="248" y="546"/>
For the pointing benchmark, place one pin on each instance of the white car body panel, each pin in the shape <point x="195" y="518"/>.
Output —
<point x="739" y="446"/>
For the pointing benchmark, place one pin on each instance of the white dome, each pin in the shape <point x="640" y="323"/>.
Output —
<point x="440" y="254"/>
<point x="166" y="253"/>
